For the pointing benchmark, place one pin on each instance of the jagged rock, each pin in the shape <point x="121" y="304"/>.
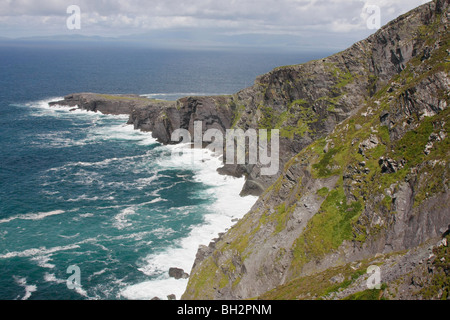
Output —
<point x="337" y="279"/>
<point x="384" y="117"/>
<point x="368" y="144"/>
<point x="178" y="273"/>
<point x="434" y="137"/>
<point x="446" y="232"/>
<point x="280" y="241"/>
<point x="203" y="252"/>
<point x="171" y="297"/>
<point x="108" y="104"/>
<point x="388" y="165"/>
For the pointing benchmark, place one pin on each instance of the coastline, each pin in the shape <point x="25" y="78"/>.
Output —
<point x="225" y="210"/>
<point x="227" y="206"/>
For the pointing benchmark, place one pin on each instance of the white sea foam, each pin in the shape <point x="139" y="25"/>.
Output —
<point x="226" y="204"/>
<point x="157" y="288"/>
<point x="32" y="216"/>
<point x="29" y="289"/>
<point x="43" y="261"/>
<point x="38" y="252"/>
<point x="98" y="130"/>
<point x="69" y="237"/>
<point x="121" y="219"/>
<point x="101" y="164"/>
<point x="44" y="103"/>
<point x="50" y="277"/>
<point x="86" y="215"/>
<point x="45" y="108"/>
<point x="162" y="232"/>
<point x="157" y="200"/>
<point x="60" y="139"/>
<point x="123" y="132"/>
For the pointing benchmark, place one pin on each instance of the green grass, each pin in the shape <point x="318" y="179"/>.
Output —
<point x="369" y="294"/>
<point x="323" y="192"/>
<point x="439" y="284"/>
<point x="327" y="229"/>
<point x="318" y="285"/>
<point x="199" y="282"/>
<point x="282" y="216"/>
<point x="296" y="120"/>
<point x="323" y="167"/>
<point x="237" y="115"/>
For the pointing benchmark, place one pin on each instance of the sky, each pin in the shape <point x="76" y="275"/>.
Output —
<point x="277" y="23"/>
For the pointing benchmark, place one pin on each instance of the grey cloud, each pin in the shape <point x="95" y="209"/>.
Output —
<point x="225" y="16"/>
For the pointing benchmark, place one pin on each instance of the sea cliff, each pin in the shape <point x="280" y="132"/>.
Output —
<point x="363" y="176"/>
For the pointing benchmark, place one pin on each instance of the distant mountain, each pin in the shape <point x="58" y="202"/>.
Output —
<point x="74" y="37"/>
<point x="191" y="39"/>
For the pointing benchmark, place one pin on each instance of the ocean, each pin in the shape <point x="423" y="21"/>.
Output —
<point x="82" y="189"/>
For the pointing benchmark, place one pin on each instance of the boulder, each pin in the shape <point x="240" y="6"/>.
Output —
<point x="178" y="273"/>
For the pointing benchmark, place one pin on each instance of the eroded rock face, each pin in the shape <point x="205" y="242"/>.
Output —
<point x="109" y="104"/>
<point x="304" y="101"/>
<point x="178" y="273"/>
<point x="347" y="122"/>
<point x="371" y="185"/>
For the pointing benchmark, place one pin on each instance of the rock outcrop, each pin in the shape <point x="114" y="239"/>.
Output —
<point x="110" y="104"/>
<point x="178" y="273"/>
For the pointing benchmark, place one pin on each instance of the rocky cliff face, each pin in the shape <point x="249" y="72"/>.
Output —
<point x="363" y="171"/>
<point x="305" y="102"/>
<point x="365" y="175"/>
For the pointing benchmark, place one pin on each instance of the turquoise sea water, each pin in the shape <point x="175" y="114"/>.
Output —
<point x="84" y="189"/>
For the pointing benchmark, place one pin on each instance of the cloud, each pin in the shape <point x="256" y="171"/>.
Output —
<point x="225" y="17"/>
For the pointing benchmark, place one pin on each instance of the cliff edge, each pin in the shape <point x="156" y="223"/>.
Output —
<point x="368" y="181"/>
<point x="363" y="177"/>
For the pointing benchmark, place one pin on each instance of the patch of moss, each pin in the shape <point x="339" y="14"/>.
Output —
<point x="237" y="115"/>
<point x="318" y="285"/>
<point x="223" y="281"/>
<point x="369" y="294"/>
<point x="439" y="286"/>
<point x="327" y="229"/>
<point x="432" y="181"/>
<point x="323" y="168"/>
<point x="323" y="192"/>
<point x="200" y="281"/>
<point x="344" y="284"/>
<point x="268" y="118"/>
<point x="282" y="216"/>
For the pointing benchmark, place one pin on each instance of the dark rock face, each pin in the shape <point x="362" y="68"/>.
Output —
<point x="107" y="104"/>
<point x="374" y="178"/>
<point x="213" y="112"/>
<point x="178" y="273"/>
<point x="304" y="101"/>
<point x="389" y="165"/>
<point x="350" y="130"/>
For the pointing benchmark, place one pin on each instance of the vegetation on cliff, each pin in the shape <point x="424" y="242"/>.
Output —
<point x="364" y="170"/>
<point x="365" y="178"/>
